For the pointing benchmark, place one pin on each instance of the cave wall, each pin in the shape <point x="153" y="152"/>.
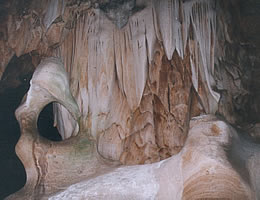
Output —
<point x="237" y="61"/>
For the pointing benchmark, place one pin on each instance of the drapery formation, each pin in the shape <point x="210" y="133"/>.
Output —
<point x="113" y="70"/>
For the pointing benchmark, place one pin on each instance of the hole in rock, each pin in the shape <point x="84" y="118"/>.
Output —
<point x="45" y="124"/>
<point x="55" y="123"/>
<point x="14" y="84"/>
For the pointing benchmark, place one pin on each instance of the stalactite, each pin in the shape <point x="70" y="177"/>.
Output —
<point x="203" y="18"/>
<point x="55" y="8"/>
<point x="100" y="59"/>
<point x="174" y="20"/>
<point x="169" y="22"/>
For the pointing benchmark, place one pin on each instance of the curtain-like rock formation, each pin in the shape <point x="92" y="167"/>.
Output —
<point x="112" y="71"/>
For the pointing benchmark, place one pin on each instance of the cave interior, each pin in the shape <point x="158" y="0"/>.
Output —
<point x="239" y="103"/>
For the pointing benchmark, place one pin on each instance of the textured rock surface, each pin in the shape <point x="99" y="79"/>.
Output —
<point x="199" y="171"/>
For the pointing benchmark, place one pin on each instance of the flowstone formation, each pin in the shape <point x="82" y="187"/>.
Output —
<point x="53" y="166"/>
<point x="125" y="77"/>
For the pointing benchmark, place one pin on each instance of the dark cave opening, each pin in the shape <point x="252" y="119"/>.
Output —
<point x="14" y="84"/>
<point x="45" y="124"/>
<point x="12" y="172"/>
